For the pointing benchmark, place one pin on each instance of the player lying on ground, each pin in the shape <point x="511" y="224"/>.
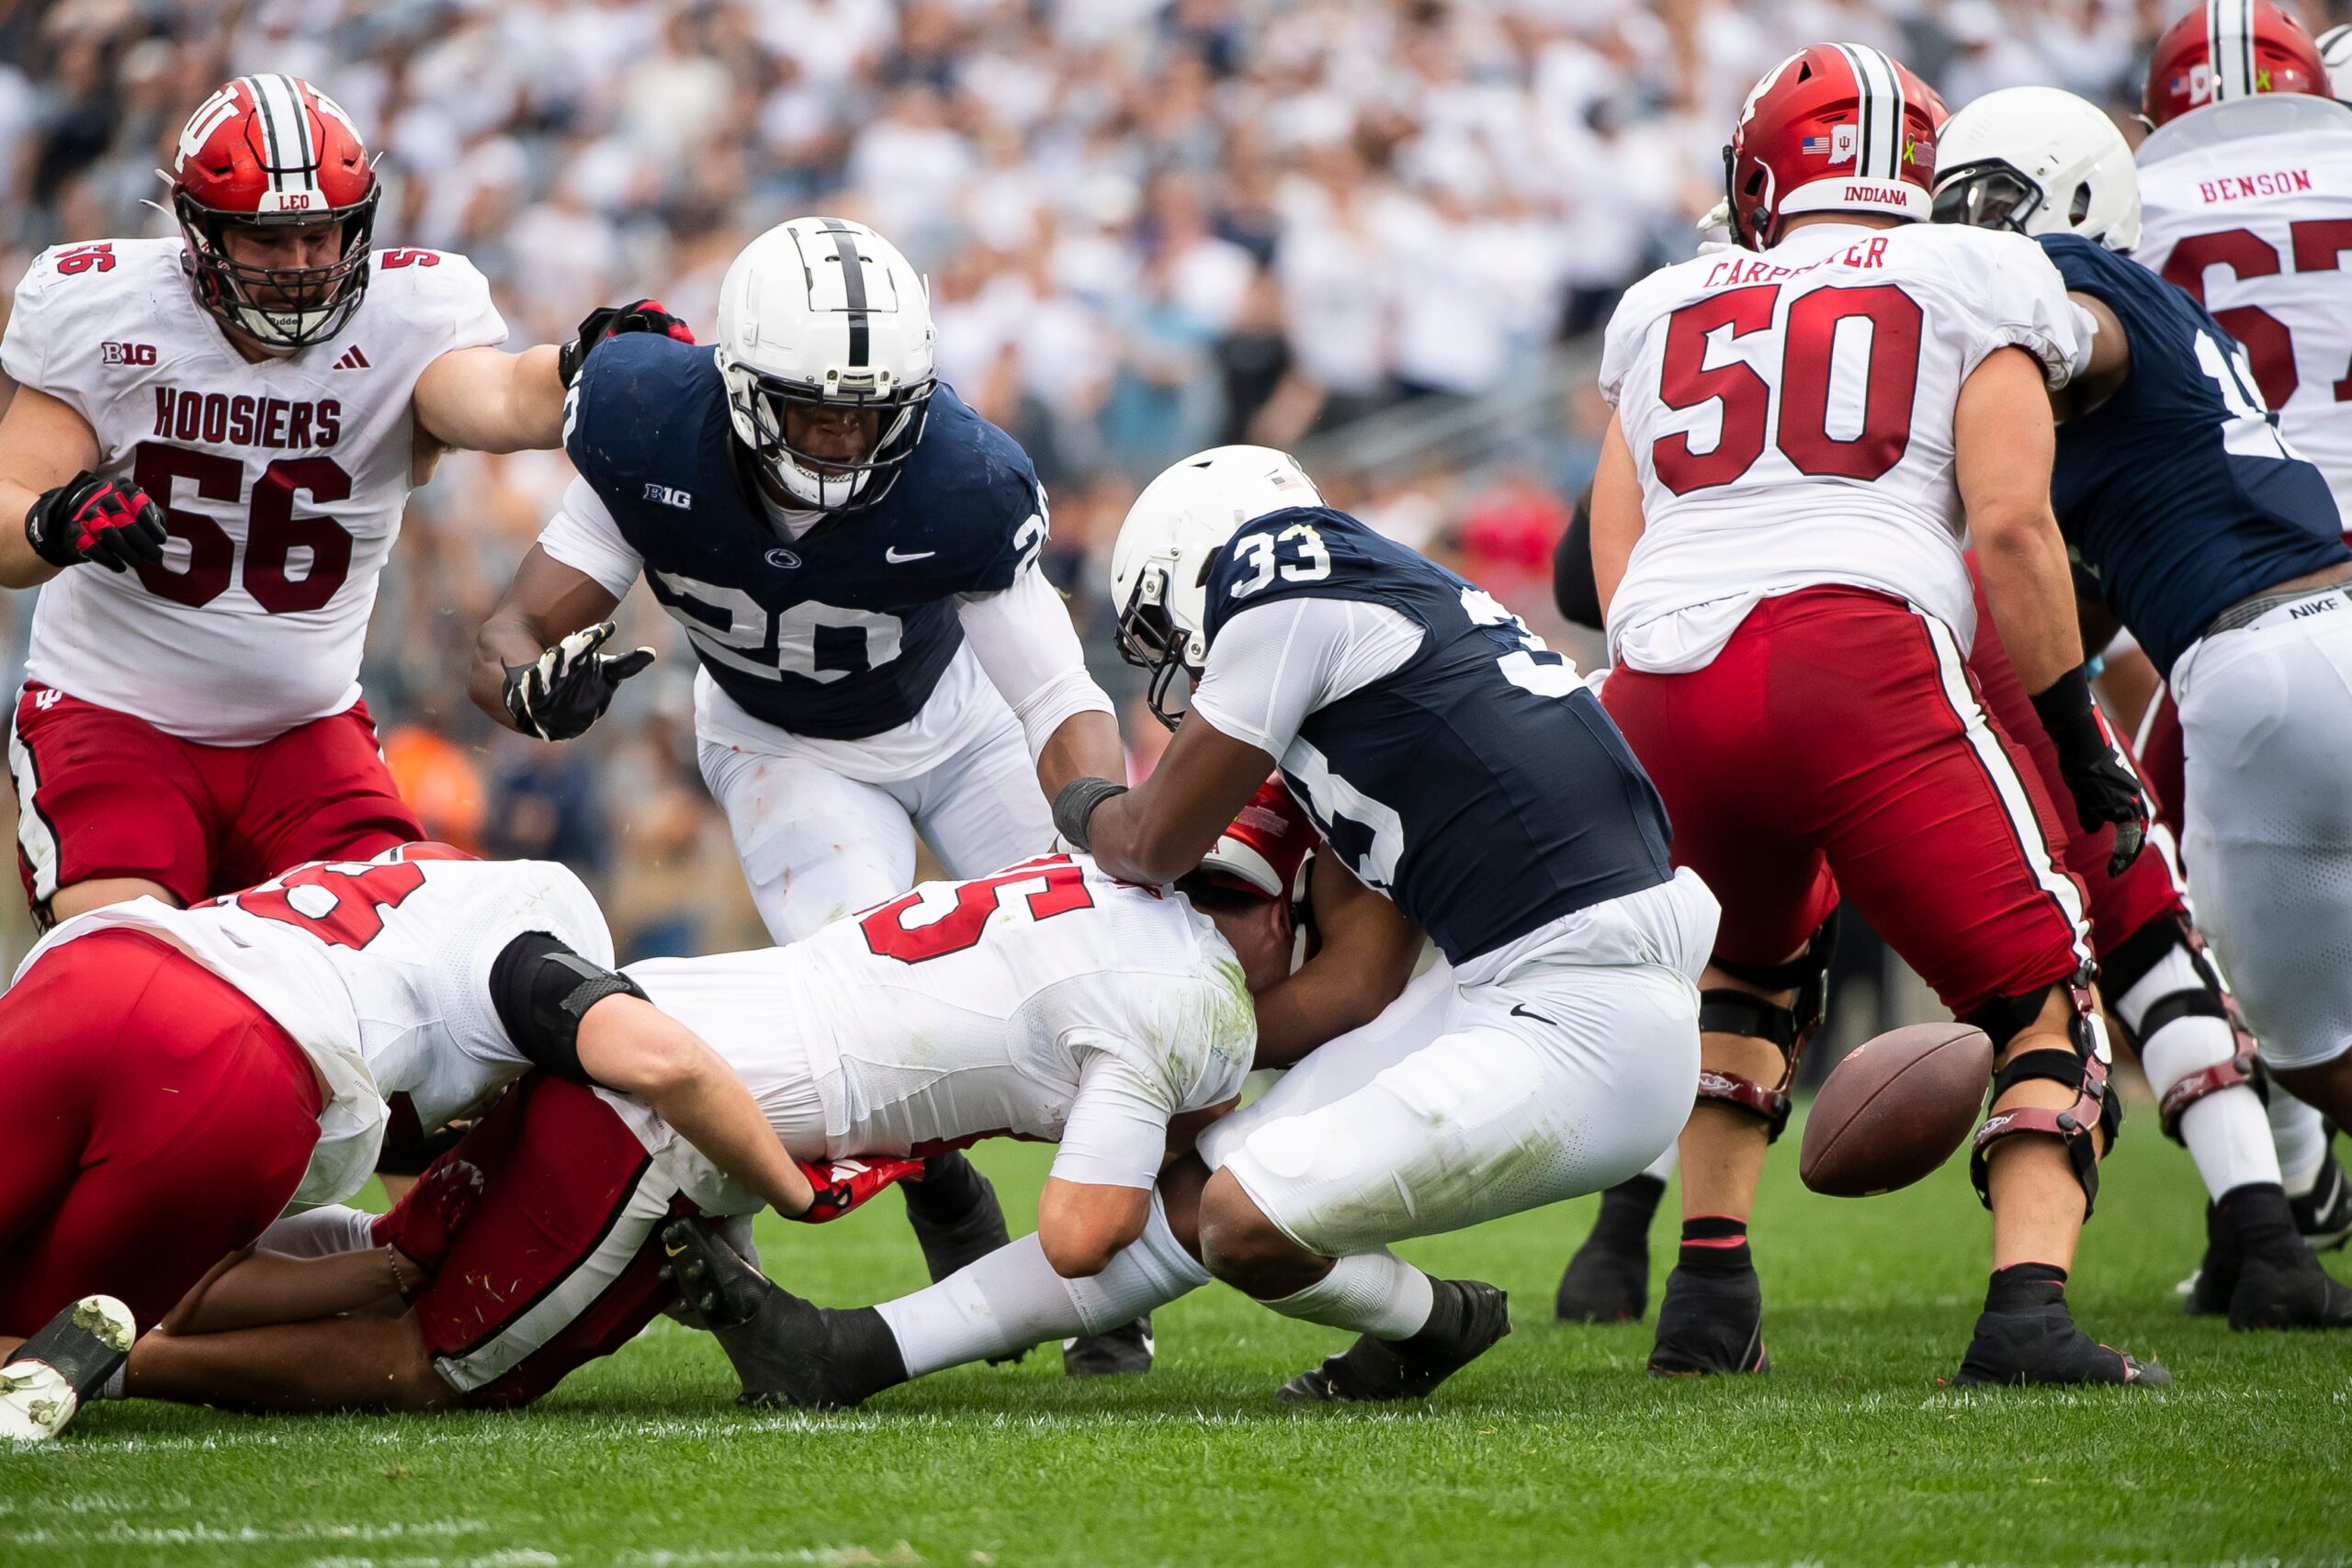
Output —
<point x="209" y="448"/>
<point x="1458" y="768"/>
<point x="1047" y="1002"/>
<point x="182" y="1076"/>
<point x="1764" y="529"/>
<point x="853" y="552"/>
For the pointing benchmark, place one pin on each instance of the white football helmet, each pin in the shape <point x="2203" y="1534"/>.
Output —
<point x="821" y="313"/>
<point x="2336" y="51"/>
<point x="1159" y="565"/>
<point x="2041" y="161"/>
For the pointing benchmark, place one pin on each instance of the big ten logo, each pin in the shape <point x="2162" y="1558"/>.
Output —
<point x="127" y="353"/>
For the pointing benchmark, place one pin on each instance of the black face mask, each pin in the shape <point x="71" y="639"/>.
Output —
<point x="1987" y="196"/>
<point x="1149" y="639"/>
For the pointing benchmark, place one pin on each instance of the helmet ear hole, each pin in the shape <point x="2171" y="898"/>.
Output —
<point x="2081" y="207"/>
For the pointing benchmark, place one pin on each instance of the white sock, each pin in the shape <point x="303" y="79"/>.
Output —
<point x="320" y="1232"/>
<point x="1012" y="1299"/>
<point x="2226" y="1134"/>
<point x="2300" y="1134"/>
<point x="1373" y="1292"/>
<point x="1662" y="1167"/>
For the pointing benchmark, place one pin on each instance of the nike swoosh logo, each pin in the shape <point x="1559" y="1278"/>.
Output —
<point x="669" y="1251"/>
<point x="895" y="559"/>
<point x="1523" y="1011"/>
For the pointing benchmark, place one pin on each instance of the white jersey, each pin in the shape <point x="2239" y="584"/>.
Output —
<point x="1048" y="1001"/>
<point x="381" y="971"/>
<point x="282" y="482"/>
<point x="2247" y="203"/>
<point x="1790" y="413"/>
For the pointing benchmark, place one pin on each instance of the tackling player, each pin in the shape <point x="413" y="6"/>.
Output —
<point x="181" y="1075"/>
<point x="210" y="444"/>
<point x="2246" y="187"/>
<point x="1046" y="1001"/>
<point x="1801" y="428"/>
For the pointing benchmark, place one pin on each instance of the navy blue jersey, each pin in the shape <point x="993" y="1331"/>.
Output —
<point x="844" y="631"/>
<point x="2177" y="495"/>
<point x="1479" y="785"/>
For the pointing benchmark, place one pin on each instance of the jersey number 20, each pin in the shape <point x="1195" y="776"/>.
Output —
<point x="1808" y="366"/>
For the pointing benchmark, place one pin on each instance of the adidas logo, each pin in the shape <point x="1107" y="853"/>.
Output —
<point x="351" y="359"/>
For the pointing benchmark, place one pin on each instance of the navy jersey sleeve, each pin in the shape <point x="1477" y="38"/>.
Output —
<point x="971" y="496"/>
<point x="632" y="390"/>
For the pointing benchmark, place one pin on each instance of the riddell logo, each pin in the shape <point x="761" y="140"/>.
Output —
<point x="127" y="353"/>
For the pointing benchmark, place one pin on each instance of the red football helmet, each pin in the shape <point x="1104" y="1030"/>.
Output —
<point x="1264" y="852"/>
<point x="1836" y="128"/>
<point x="269" y="151"/>
<point x="2229" y="49"/>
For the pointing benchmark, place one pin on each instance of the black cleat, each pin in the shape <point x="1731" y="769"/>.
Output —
<point x="2041" y="1345"/>
<point x="1608" y="1281"/>
<point x="67" y="1361"/>
<point x="957" y="1218"/>
<point x="2288" y="1292"/>
<point x="787" y="1351"/>
<point x="2323" y="1214"/>
<point x="2207" y="1292"/>
<point x="1604" y="1285"/>
<point x="1114" y="1352"/>
<point x="1467" y="1318"/>
<point x="1710" y="1322"/>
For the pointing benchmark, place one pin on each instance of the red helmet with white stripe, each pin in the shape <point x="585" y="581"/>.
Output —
<point x="1836" y="128"/>
<point x="2231" y="49"/>
<point x="272" y="151"/>
<point x="1265" y="850"/>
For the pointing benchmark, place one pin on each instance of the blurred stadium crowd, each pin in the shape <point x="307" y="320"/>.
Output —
<point x="1150" y="225"/>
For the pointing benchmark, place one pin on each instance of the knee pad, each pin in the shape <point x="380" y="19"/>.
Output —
<point x="2083" y="1069"/>
<point x="1725" y="1011"/>
<point x="2160" y="974"/>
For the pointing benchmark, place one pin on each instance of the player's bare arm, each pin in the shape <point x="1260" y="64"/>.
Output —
<point x="631" y="1047"/>
<point x="1082" y="1224"/>
<point x="1159" y="830"/>
<point x="2004" y="442"/>
<point x="1367" y="950"/>
<point x="546" y="606"/>
<point x="1616" y="512"/>
<point x="486" y="399"/>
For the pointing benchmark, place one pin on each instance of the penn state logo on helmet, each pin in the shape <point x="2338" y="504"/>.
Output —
<point x="1835" y="128"/>
<point x="270" y="151"/>
<point x="825" y="342"/>
<point x="2229" y="49"/>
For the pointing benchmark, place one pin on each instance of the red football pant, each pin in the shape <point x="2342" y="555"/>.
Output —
<point x="100" y="793"/>
<point x="560" y="1262"/>
<point x="2149" y="888"/>
<point x="1836" y="743"/>
<point x="155" y="1121"/>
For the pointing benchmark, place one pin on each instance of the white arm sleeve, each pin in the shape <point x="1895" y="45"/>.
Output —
<point x="1274" y="664"/>
<point x="1117" y="1131"/>
<point x="1024" y="641"/>
<point x="582" y="536"/>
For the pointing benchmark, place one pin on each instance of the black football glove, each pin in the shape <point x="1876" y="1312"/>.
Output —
<point x="559" y="695"/>
<point x="611" y="321"/>
<point x="93" y="518"/>
<point x="2097" y="770"/>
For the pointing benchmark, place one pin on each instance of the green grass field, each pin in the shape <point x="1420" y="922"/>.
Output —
<point x="1555" y="1449"/>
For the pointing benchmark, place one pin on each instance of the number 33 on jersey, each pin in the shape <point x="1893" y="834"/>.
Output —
<point x="1744" y="381"/>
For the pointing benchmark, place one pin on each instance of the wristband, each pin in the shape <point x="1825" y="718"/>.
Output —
<point x="1076" y="803"/>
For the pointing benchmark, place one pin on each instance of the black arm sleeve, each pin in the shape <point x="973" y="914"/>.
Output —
<point x="542" y="990"/>
<point x="1574" y="589"/>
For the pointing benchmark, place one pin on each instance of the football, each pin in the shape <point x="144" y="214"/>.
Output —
<point x="1896" y="1109"/>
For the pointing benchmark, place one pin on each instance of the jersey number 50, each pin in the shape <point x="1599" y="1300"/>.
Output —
<point x="1808" y="366"/>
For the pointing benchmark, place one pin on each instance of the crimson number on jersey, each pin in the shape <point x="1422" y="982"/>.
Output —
<point x="342" y="902"/>
<point x="278" y="582"/>
<point x="1049" y="886"/>
<point x="1808" y="353"/>
<point x="2318" y="245"/>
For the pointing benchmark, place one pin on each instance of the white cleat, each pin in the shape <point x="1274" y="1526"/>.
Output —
<point x="47" y="1378"/>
